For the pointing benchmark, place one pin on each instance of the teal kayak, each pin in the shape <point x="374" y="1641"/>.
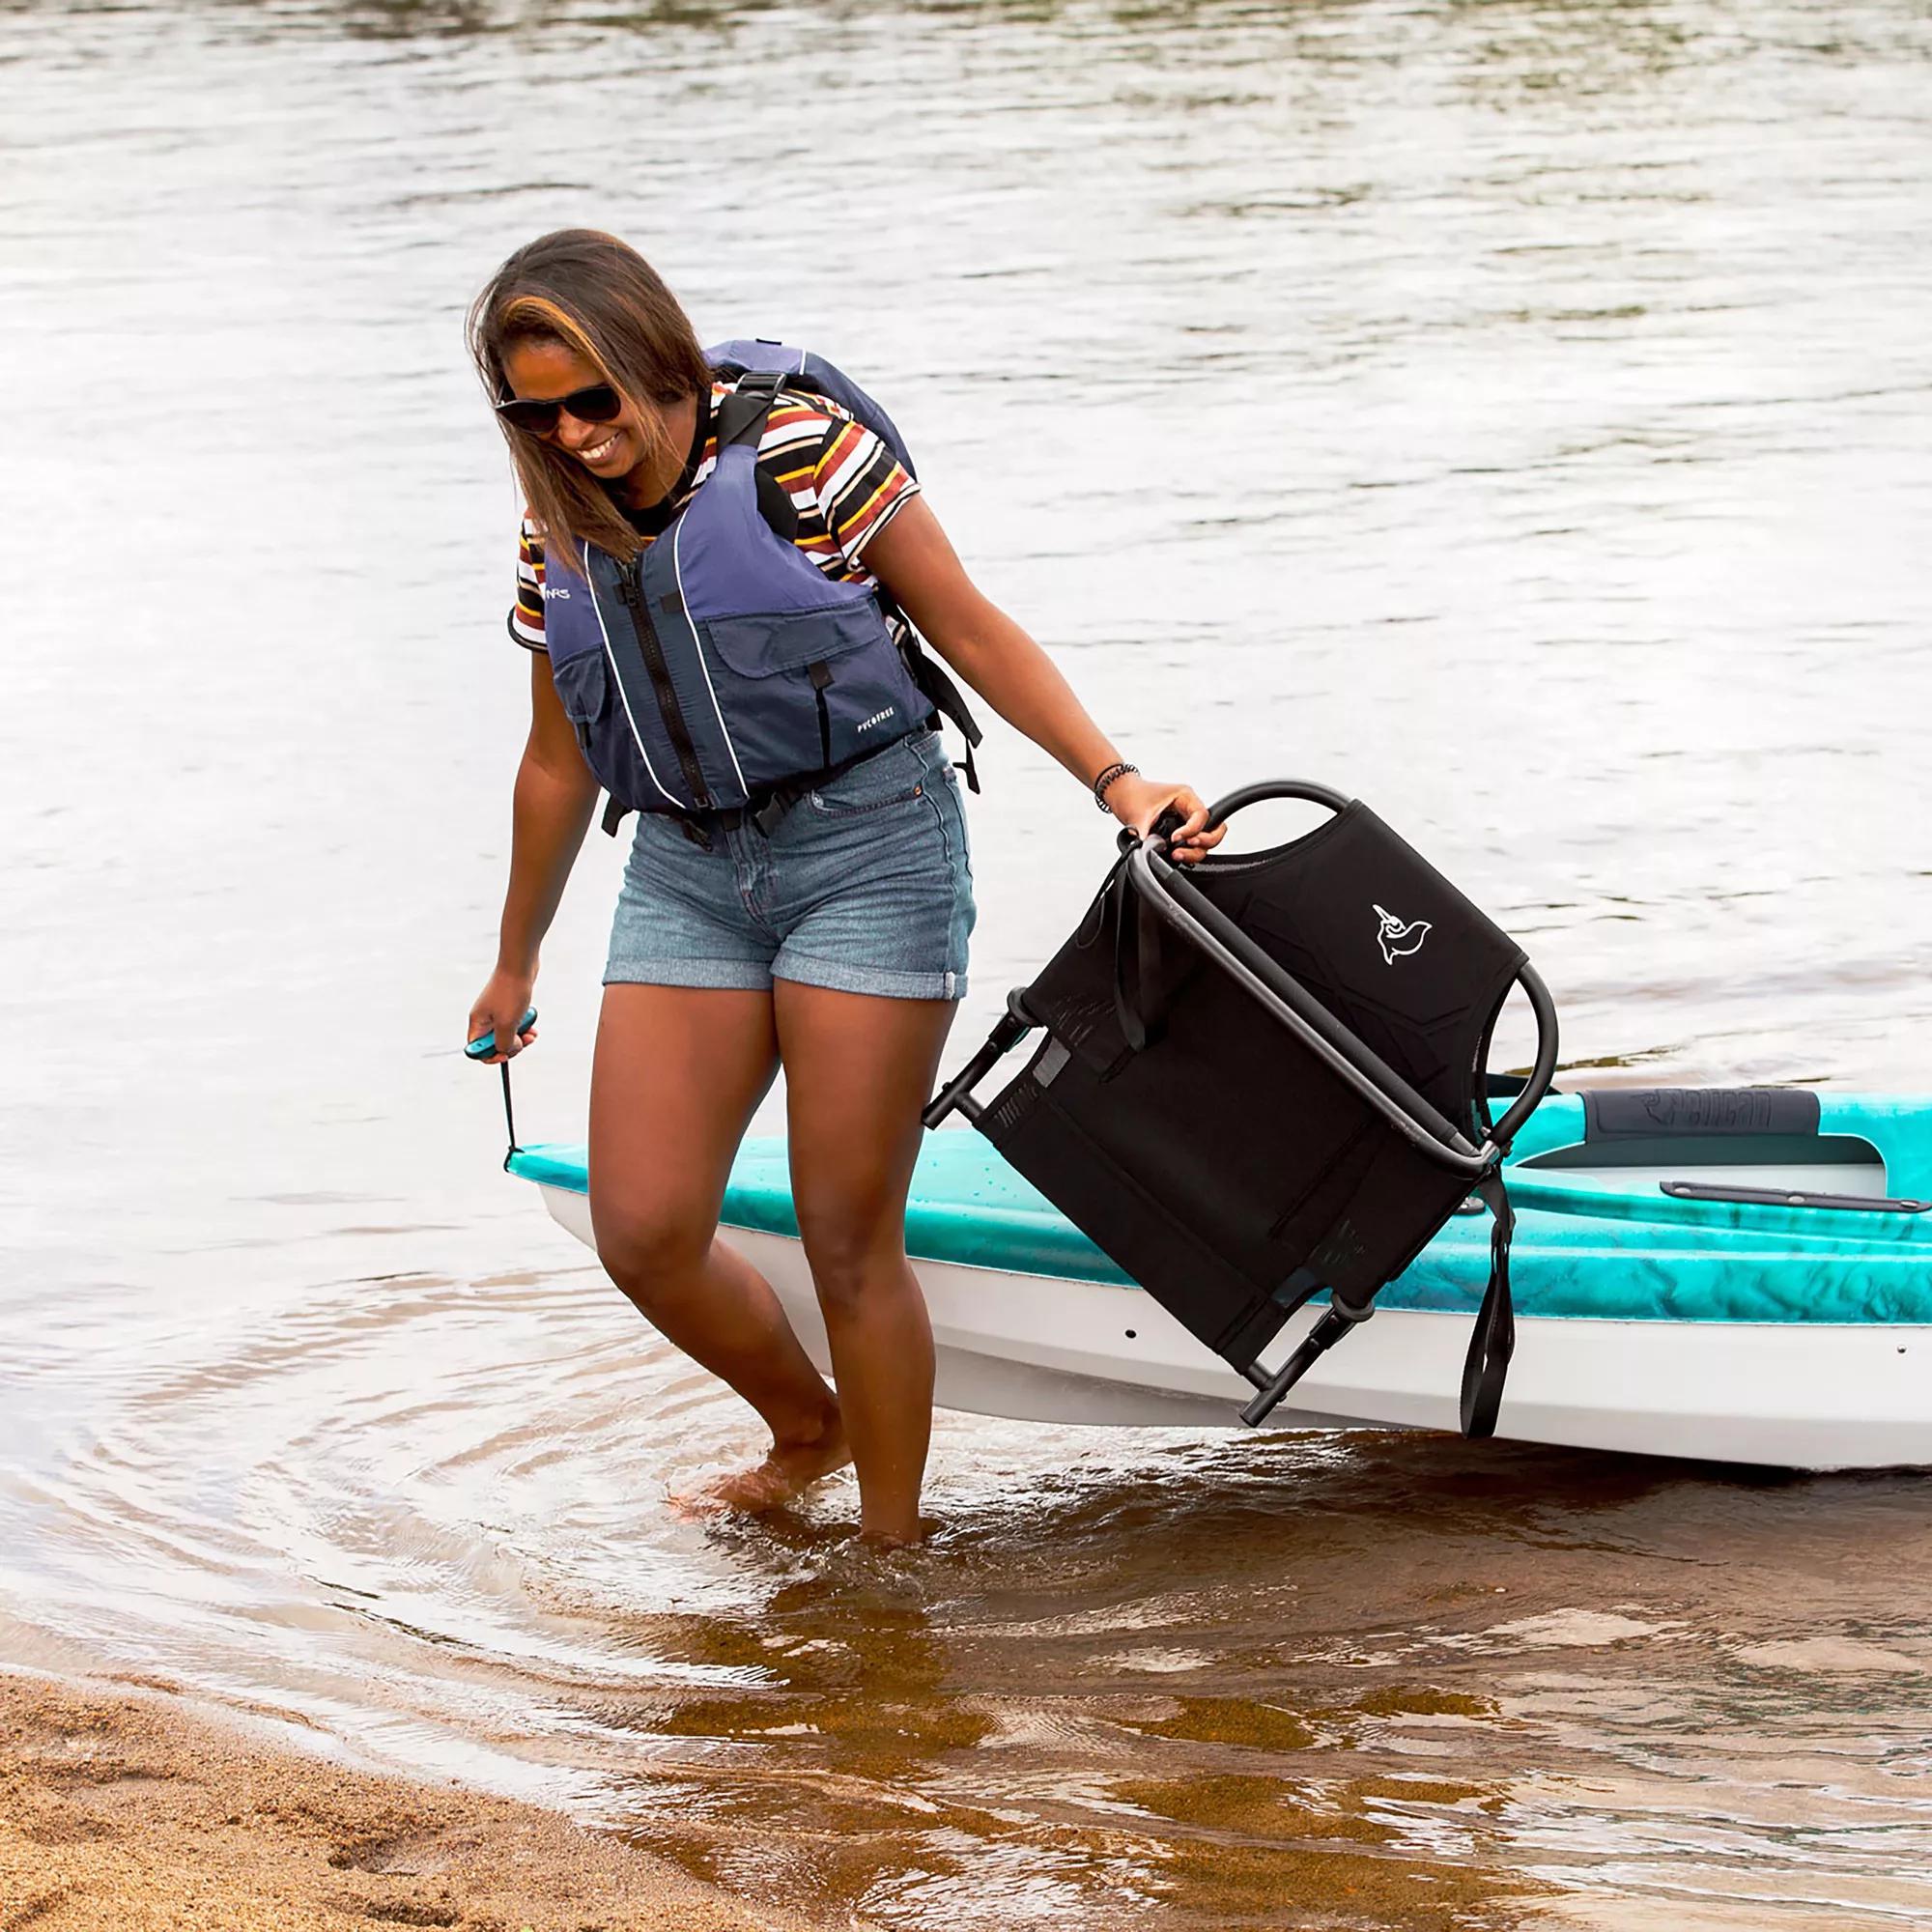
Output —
<point x="1708" y="1289"/>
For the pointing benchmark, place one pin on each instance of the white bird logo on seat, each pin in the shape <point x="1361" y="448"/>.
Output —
<point x="1398" y="937"/>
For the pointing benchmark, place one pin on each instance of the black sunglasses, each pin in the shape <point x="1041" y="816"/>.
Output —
<point x="600" y="403"/>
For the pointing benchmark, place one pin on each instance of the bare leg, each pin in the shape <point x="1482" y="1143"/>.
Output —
<point x="677" y="1074"/>
<point x="858" y="1070"/>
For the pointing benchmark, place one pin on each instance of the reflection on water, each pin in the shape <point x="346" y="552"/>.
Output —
<point x="1518" y="413"/>
<point x="1199" y="1699"/>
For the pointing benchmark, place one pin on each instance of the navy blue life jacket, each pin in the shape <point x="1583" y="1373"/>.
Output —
<point x="721" y="666"/>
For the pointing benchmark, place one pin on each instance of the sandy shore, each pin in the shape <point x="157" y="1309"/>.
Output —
<point x="121" y="1812"/>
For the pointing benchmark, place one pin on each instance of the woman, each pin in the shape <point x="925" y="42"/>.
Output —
<point x="702" y="560"/>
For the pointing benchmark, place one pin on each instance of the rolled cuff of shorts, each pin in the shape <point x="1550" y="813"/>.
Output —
<point x="723" y="976"/>
<point x="835" y="976"/>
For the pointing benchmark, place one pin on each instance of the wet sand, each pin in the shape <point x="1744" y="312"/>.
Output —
<point x="120" y="1808"/>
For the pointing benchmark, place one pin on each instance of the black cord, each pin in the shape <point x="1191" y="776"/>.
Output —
<point x="509" y="1115"/>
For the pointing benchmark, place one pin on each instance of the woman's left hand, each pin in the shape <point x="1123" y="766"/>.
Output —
<point x="1137" y="802"/>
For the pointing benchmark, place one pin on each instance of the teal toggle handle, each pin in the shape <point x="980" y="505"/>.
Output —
<point x="485" y="1043"/>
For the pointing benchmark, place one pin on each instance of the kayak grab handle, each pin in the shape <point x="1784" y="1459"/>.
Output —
<point x="485" y="1043"/>
<point x="480" y="1049"/>
<point x="1780" y="1197"/>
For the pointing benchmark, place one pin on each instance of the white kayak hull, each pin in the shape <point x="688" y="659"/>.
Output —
<point x="1048" y="1349"/>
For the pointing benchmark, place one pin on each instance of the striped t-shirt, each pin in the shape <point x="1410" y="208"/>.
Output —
<point x="845" y="484"/>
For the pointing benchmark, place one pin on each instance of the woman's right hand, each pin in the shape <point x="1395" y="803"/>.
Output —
<point x="503" y="1000"/>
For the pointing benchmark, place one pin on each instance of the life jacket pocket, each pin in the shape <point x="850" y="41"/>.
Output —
<point x="595" y="706"/>
<point x="770" y="644"/>
<point x="803" y="690"/>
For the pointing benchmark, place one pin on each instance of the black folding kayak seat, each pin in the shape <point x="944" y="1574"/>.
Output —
<point x="1263" y="1077"/>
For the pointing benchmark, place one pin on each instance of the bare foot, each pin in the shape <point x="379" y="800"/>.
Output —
<point x="889" y="1539"/>
<point x="787" y="1471"/>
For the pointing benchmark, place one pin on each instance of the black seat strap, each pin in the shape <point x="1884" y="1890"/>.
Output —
<point x="1486" y="1367"/>
<point x="1128" y="1007"/>
<point x="1141" y="1010"/>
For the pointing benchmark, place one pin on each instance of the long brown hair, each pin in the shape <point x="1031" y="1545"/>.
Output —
<point x="601" y="300"/>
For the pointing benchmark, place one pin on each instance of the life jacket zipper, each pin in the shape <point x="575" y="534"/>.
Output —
<point x="666" y="695"/>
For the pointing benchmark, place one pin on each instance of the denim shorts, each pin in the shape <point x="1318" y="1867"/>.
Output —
<point x="863" y="887"/>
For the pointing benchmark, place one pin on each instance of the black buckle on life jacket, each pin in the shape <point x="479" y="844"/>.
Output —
<point x="616" y="812"/>
<point x="762" y="811"/>
<point x="783" y="797"/>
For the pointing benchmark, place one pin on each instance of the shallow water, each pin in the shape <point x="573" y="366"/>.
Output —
<point x="1520" y="416"/>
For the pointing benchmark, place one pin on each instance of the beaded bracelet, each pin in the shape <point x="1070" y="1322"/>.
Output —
<point x="1107" y="778"/>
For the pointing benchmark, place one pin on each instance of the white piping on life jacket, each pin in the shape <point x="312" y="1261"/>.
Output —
<point x="623" y="695"/>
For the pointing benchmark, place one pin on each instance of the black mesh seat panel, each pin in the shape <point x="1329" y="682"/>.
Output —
<point x="1221" y="1163"/>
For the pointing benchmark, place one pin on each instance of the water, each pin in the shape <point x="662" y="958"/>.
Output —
<point x="1520" y="416"/>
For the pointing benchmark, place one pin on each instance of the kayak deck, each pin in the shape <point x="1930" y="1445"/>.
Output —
<point x="1596" y="1234"/>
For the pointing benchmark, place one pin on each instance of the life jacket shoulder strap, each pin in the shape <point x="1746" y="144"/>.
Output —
<point x="741" y="419"/>
<point x="741" y="415"/>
